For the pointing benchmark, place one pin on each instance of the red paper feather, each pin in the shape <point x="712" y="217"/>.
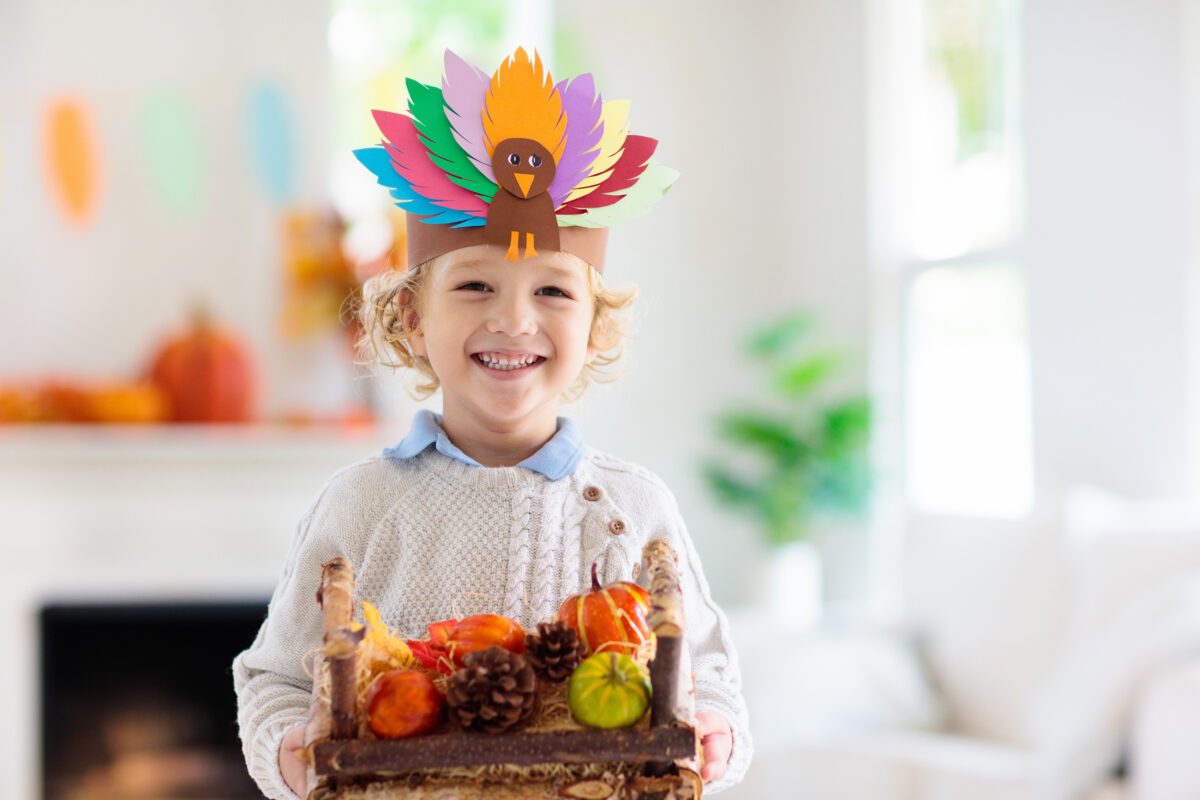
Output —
<point x="633" y="161"/>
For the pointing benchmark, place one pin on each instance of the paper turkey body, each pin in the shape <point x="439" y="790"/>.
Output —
<point x="524" y="170"/>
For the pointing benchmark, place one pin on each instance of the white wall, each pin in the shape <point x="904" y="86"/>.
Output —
<point x="1107" y="248"/>
<point x="1190" y="38"/>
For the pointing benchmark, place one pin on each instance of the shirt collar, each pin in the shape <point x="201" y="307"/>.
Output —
<point x="556" y="459"/>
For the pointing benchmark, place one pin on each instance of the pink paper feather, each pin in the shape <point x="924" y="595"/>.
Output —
<point x="464" y="90"/>
<point x="411" y="160"/>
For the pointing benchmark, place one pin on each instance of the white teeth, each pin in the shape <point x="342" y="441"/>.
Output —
<point x="504" y="363"/>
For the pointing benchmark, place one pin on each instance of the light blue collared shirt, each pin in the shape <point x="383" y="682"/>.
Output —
<point x="556" y="459"/>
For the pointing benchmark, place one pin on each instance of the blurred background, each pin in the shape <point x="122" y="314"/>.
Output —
<point x="915" y="350"/>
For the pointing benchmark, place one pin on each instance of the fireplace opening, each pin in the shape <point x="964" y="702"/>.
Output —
<point x="137" y="700"/>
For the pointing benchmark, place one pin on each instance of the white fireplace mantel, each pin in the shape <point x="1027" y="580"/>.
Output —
<point x="142" y="514"/>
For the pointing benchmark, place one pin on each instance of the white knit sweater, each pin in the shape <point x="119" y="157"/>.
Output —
<point x="433" y="538"/>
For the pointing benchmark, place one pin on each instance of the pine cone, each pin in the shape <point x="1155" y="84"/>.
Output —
<point x="555" y="650"/>
<point x="494" y="691"/>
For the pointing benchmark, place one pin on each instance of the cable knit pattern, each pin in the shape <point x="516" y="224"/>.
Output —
<point x="432" y="538"/>
<point x="519" y="545"/>
<point x="547" y="567"/>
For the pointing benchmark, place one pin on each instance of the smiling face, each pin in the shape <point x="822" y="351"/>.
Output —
<point x="505" y="340"/>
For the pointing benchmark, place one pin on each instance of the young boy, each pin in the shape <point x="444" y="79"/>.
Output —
<point x="496" y="505"/>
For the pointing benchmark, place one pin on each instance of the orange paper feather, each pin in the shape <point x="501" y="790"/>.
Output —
<point x="522" y="103"/>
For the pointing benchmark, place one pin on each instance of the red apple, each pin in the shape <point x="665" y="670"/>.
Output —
<point x="403" y="702"/>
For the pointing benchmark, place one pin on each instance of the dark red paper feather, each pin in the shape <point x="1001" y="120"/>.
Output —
<point x="635" y="155"/>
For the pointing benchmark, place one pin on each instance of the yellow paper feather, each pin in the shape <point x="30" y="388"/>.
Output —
<point x="615" y="117"/>
<point x="523" y="104"/>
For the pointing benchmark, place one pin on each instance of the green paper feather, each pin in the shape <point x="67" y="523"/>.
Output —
<point x="427" y="108"/>
<point x="649" y="189"/>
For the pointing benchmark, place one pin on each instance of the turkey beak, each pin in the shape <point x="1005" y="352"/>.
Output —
<point x="524" y="180"/>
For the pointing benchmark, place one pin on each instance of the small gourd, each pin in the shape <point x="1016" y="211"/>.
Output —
<point x="609" y="690"/>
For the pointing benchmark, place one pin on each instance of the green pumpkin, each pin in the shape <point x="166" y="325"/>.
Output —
<point x="609" y="690"/>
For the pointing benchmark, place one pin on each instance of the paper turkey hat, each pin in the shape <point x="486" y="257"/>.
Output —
<point x="513" y="159"/>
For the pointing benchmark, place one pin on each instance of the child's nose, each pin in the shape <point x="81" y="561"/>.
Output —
<point x="511" y="316"/>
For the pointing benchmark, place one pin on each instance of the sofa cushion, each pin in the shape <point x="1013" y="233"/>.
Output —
<point x="987" y="596"/>
<point x="1080" y="717"/>
<point x="1117" y="549"/>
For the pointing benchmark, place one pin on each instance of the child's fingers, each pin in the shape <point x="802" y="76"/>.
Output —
<point x="291" y="763"/>
<point x="716" y="748"/>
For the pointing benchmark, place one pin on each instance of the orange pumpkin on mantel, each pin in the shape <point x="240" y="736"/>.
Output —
<point x="206" y="373"/>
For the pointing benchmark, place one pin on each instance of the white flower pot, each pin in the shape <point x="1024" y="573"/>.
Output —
<point x="793" y="585"/>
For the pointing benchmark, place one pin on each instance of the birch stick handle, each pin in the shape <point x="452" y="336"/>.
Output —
<point x="665" y="616"/>
<point x="666" y="621"/>
<point x="337" y="616"/>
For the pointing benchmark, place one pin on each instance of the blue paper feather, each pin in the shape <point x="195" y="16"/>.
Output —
<point x="379" y="161"/>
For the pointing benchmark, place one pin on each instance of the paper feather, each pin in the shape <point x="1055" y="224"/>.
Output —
<point x="650" y="188"/>
<point x="582" y="107"/>
<point x="464" y="89"/>
<point x="522" y="103"/>
<point x="417" y="185"/>
<point x="436" y="161"/>
<point x="411" y="160"/>
<point x="614" y="117"/>
<point x="427" y="108"/>
<point x="624" y="174"/>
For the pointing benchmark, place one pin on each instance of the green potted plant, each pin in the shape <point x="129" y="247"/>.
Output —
<point x="797" y="453"/>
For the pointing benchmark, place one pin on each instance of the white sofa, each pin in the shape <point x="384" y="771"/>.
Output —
<point x="1044" y="660"/>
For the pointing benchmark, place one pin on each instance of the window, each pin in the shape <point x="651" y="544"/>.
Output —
<point x="951" y="160"/>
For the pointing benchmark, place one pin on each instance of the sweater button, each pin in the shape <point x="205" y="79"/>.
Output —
<point x="592" y="493"/>
<point x="617" y="527"/>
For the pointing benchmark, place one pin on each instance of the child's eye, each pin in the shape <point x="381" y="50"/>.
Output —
<point x="474" y="286"/>
<point x="554" y="291"/>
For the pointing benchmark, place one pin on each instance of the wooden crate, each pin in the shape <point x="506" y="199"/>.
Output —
<point x="658" y="761"/>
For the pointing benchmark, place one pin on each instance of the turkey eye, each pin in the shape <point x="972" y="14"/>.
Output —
<point x="514" y="159"/>
<point x="535" y="161"/>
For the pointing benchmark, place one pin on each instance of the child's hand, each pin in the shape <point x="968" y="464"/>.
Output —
<point x="716" y="743"/>
<point x="291" y="762"/>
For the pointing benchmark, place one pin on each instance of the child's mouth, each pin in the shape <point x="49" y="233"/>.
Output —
<point x="505" y="364"/>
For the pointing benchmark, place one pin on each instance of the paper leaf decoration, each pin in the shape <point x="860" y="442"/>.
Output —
<point x="71" y="159"/>
<point x="173" y="151"/>
<point x="272" y="142"/>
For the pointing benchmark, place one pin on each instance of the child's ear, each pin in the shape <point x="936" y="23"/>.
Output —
<point x="599" y="328"/>
<point x="412" y="322"/>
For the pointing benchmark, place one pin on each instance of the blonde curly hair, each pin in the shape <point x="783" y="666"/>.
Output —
<point x="383" y="300"/>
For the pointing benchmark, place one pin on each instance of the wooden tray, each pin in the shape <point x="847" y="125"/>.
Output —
<point x="654" y="762"/>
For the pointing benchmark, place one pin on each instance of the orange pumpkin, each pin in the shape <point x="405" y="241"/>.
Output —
<point x="62" y="400"/>
<point x="610" y="618"/>
<point x="127" y="402"/>
<point x="206" y="374"/>
<point x="481" y="631"/>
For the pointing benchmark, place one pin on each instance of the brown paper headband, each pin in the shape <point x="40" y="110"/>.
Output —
<point x="426" y="242"/>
